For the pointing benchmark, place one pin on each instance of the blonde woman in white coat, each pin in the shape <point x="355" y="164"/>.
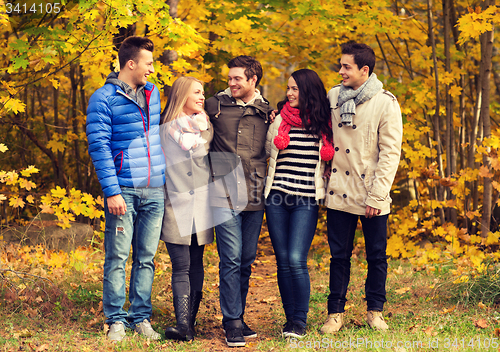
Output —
<point x="187" y="223"/>
<point x="300" y="143"/>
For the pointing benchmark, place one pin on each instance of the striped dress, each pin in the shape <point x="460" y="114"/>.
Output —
<point x="296" y="163"/>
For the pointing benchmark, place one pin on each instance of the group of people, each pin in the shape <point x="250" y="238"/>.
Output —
<point x="197" y="166"/>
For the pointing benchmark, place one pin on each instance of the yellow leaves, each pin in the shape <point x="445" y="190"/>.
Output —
<point x="2" y="197"/>
<point x="473" y="24"/>
<point x="16" y="202"/>
<point x="11" y="104"/>
<point x="55" y="146"/>
<point x="485" y="172"/>
<point x="58" y="192"/>
<point x="55" y="83"/>
<point x="29" y="170"/>
<point x="26" y="184"/>
<point x="461" y="279"/>
<point x="403" y="290"/>
<point x="3" y="148"/>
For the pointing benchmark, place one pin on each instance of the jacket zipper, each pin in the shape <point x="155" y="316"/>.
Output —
<point x="146" y="130"/>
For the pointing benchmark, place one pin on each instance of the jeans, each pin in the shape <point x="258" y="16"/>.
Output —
<point x="139" y="227"/>
<point x="341" y="230"/>
<point x="187" y="267"/>
<point x="237" y="236"/>
<point x="291" y="221"/>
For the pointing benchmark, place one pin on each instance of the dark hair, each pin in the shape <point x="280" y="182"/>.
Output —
<point x="252" y="67"/>
<point x="363" y="55"/>
<point x="314" y="106"/>
<point x="131" y="47"/>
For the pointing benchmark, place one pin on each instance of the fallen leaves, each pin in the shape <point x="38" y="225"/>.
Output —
<point x="481" y="323"/>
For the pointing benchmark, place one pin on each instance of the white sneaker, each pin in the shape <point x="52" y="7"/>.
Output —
<point x="116" y="331"/>
<point x="146" y="330"/>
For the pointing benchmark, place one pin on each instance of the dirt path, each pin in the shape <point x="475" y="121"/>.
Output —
<point x="263" y="302"/>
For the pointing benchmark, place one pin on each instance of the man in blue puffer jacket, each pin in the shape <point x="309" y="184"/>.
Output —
<point x="123" y="120"/>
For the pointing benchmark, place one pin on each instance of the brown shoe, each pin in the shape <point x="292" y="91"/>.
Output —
<point x="333" y="323"/>
<point x="376" y="320"/>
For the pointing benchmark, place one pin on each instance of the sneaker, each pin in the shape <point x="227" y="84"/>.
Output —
<point x="146" y="330"/>
<point x="298" y="331"/>
<point x="116" y="331"/>
<point x="234" y="333"/>
<point x="247" y="332"/>
<point x="376" y="320"/>
<point x="287" y="328"/>
<point x="333" y="323"/>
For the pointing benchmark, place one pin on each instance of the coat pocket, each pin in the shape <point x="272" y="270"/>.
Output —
<point x="118" y="160"/>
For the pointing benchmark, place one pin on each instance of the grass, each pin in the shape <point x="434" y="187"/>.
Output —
<point x="423" y="311"/>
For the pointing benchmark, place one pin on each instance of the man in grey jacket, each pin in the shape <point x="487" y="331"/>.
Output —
<point x="367" y="134"/>
<point x="239" y="116"/>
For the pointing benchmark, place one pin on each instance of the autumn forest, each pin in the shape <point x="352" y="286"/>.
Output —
<point x="438" y="58"/>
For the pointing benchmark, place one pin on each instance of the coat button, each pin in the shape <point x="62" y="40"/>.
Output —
<point x="353" y="127"/>
<point x="363" y="176"/>
<point x="344" y="195"/>
<point x="191" y="192"/>
<point x="340" y="125"/>
<point x="189" y="173"/>
<point x="334" y="170"/>
<point x="188" y="155"/>
<point x="331" y="192"/>
<point x="347" y="151"/>
<point x="347" y="173"/>
<point x="336" y="149"/>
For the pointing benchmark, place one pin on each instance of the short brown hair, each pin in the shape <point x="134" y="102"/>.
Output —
<point x="252" y="67"/>
<point x="131" y="47"/>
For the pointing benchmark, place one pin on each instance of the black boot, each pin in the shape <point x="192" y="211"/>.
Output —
<point x="195" y="305"/>
<point x="182" y="330"/>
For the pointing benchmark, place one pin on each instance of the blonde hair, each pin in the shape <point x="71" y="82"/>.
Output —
<point x="178" y="97"/>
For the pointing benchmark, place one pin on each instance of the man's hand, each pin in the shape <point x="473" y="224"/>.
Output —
<point x="272" y="115"/>
<point x="117" y="205"/>
<point x="371" y="212"/>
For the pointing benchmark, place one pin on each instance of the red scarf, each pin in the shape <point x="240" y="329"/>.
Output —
<point x="291" y="117"/>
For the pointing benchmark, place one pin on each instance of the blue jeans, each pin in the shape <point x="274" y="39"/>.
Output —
<point x="237" y="236"/>
<point x="341" y="230"/>
<point x="291" y="221"/>
<point x="140" y="228"/>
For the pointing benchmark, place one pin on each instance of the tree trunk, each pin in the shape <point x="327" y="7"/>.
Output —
<point x="485" y="72"/>
<point x="451" y="155"/>
<point x="436" y="120"/>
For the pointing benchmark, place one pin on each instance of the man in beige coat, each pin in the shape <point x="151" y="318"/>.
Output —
<point x="367" y="134"/>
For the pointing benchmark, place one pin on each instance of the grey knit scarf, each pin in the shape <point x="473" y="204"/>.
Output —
<point x="349" y="98"/>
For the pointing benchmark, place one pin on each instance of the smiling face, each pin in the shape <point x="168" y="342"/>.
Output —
<point x="141" y="67"/>
<point x="292" y="93"/>
<point x="352" y="76"/>
<point x="241" y="87"/>
<point x="195" y="100"/>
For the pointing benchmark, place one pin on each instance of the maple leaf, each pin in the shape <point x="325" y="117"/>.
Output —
<point x="402" y="290"/>
<point x="58" y="192"/>
<point x="16" y="202"/>
<point x="3" y="148"/>
<point x="481" y="323"/>
<point x="29" y="170"/>
<point x="28" y="185"/>
<point x="30" y="199"/>
<point x="2" y="197"/>
<point x="55" y="146"/>
<point x="87" y="198"/>
<point x="485" y="172"/>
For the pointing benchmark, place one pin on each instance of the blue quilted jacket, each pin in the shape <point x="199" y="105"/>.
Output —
<point x="124" y="139"/>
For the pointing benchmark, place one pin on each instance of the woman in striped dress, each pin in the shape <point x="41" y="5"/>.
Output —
<point x="299" y="143"/>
